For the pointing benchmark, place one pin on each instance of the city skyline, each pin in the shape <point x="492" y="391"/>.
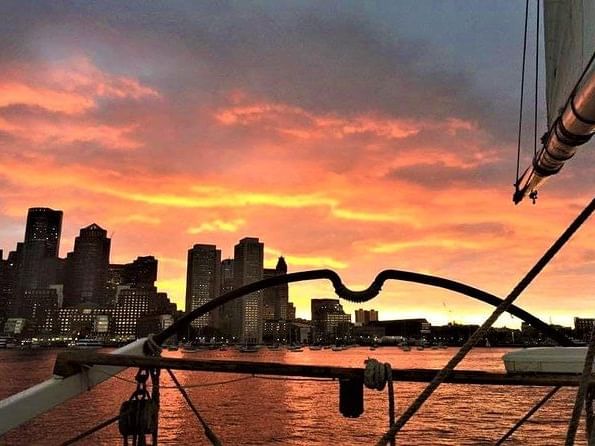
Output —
<point x="198" y="255"/>
<point x="344" y="137"/>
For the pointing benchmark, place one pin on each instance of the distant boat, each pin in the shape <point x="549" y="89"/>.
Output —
<point x="223" y="348"/>
<point x="189" y="348"/>
<point x="248" y="349"/>
<point x="274" y="347"/>
<point x="406" y="347"/>
<point x="172" y="348"/>
<point x="420" y="347"/>
<point x="373" y="348"/>
<point x="337" y="348"/>
<point x="295" y="349"/>
<point x="6" y="342"/>
<point x="315" y="347"/>
<point x="86" y="343"/>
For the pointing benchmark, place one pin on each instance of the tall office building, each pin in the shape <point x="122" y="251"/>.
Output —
<point x="227" y="313"/>
<point x="44" y="225"/>
<point x="275" y="299"/>
<point x="40" y="250"/>
<point x="86" y="268"/>
<point x="202" y="280"/>
<point x="248" y="268"/>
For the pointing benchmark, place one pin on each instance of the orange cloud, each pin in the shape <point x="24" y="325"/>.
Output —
<point x="218" y="226"/>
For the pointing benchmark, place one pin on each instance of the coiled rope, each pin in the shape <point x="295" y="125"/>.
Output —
<point x="376" y="376"/>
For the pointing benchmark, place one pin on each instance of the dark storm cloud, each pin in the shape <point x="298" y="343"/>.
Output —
<point x="440" y="176"/>
<point x="330" y="59"/>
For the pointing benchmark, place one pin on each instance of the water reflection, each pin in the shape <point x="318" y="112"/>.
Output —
<point x="264" y="412"/>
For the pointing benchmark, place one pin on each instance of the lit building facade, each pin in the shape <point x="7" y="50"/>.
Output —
<point x="132" y="304"/>
<point x="364" y="317"/>
<point x="329" y="322"/>
<point x="248" y="268"/>
<point x="40" y="308"/>
<point x="84" y="322"/>
<point x="202" y="280"/>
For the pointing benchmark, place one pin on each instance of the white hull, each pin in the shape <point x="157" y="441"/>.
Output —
<point x="546" y="360"/>
<point x="21" y="407"/>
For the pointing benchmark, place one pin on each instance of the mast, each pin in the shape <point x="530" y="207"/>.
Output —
<point x="570" y="85"/>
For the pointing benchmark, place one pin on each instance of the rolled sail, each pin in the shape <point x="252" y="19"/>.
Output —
<point x="569" y="44"/>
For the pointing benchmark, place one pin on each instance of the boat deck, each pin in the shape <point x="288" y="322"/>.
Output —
<point x="69" y="363"/>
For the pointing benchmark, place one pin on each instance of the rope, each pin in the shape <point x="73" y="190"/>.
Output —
<point x="376" y="376"/>
<point x="283" y="378"/>
<point x="536" y="83"/>
<point x="581" y="392"/>
<point x="208" y="431"/>
<point x="518" y="153"/>
<point x="481" y="331"/>
<point x="528" y="415"/>
<point x="186" y="386"/>
<point x="91" y="431"/>
<point x="151" y="347"/>
<point x="589" y="413"/>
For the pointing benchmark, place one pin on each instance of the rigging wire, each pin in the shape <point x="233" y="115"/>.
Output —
<point x="518" y="153"/>
<point x="536" y="83"/>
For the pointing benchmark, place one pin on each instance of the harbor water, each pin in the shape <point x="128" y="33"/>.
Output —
<point x="260" y="411"/>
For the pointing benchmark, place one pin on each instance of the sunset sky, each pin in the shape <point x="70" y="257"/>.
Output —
<point x="355" y="136"/>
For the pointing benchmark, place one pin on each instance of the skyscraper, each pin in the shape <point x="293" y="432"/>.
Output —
<point x="40" y="249"/>
<point x="44" y="225"/>
<point x="228" y="313"/>
<point x="248" y="268"/>
<point x="202" y="279"/>
<point x="275" y="298"/>
<point x="86" y="268"/>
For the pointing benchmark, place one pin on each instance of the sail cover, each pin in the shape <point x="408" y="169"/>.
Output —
<point x="569" y="44"/>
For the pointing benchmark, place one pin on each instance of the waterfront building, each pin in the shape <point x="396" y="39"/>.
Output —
<point x="290" y="311"/>
<point x="132" y="303"/>
<point x="162" y="305"/>
<point x="202" y="281"/>
<point x="15" y="326"/>
<point x="87" y="267"/>
<point x="329" y="322"/>
<point x="248" y="268"/>
<point x="40" y="308"/>
<point x="141" y="273"/>
<point x="84" y="322"/>
<point x="10" y="281"/>
<point x="583" y="328"/>
<point x="5" y="289"/>
<point x="406" y="328"/>
<point x="364" y="317"/>
<point x="275" y="331"/>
